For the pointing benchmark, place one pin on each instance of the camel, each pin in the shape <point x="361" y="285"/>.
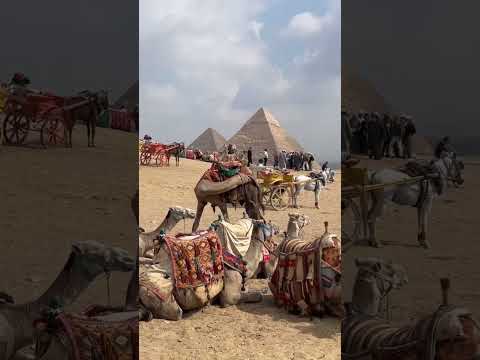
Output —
<point x="240" y="189"/>
<point x="323" y="254"/>
<point x="86" y="262"/>
<point x="146" y="240"/>
<point x="159" y="296"/>
<point x="449" y="333"/>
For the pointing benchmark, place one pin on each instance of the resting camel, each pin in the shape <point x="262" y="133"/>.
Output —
<point x="86" y="262"/>
<point x="146" y="240"/>
<point x="240" y="189"/>
<point x="448" y="333"/>
<point x="158" y="295"/>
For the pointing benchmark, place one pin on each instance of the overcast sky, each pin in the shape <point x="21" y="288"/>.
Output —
<point x="67" y="46"/>
<point x="423" y="56"/>
<point x="213" y="63"/>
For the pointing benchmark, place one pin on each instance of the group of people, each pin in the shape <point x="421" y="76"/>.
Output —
<point x="294" y="160"/>
<point x="378" y="135"/>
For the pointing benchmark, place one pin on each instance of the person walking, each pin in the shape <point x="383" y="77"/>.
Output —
<point x="410" y="131"/>
<point x="310" y="161"/>
<point x="387" y="124"/>
<point x="249" y="156"/>
<point x="265" y="157"/>
<point x="395" y="148"/>
<point x="282" y="160"/>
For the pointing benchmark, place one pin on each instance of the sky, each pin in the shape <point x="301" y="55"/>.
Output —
<point x="423" y="56"/>
<point x="66" y="47"/>
<point x="213" y="63"/>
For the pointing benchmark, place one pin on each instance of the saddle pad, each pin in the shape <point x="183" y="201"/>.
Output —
<point x="195" y="262"/>
<point x="236" y="237"/>
<point x="96" y="339"/>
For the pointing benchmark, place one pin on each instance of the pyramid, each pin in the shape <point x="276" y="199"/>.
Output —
<point x="210" y="140"/>
<point x="359" y="94"/>
<point x="262" y="131"/>
<point x="129" y="98"/>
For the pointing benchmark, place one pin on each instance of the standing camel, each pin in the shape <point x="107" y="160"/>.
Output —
<point x="86" y="262"/>
<point x="240" y="189"/>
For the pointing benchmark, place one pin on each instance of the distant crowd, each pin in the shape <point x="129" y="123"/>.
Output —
<point x="378" y="135"/>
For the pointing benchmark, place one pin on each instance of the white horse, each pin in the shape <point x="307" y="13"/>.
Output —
<point x="419" y="195"/>
<point x="309" y="184"/>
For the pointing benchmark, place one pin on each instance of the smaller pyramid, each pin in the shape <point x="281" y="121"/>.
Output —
<point x="129" y="99"/>
<point x="209" y="141"/>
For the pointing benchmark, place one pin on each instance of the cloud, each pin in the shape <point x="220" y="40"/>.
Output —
<point x="213" y="65"/>
<point x="308" y="24"/>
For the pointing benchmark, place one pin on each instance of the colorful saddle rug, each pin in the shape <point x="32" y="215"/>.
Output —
<point x="94" y="339"/>
<point x="223" y="170"/>
<point x="196" y="259"/>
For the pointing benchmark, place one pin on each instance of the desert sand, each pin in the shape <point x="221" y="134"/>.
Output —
<point x="53" y="197"/>
<point x="454" y="248"/>
<point x="247" y="331"/>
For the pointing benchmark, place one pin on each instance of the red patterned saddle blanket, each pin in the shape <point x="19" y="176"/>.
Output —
<point x="93" y="339"/>
<point x="196" y="259"/>
<point x="220" y="171"/>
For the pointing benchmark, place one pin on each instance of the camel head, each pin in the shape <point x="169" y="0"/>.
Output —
<point x="181" y="213"/>
<point x="375" y="279"/>
<point x="296" y="223"/>
<point x="98" y="258"/>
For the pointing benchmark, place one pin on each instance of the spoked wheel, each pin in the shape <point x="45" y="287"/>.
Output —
<point x="53" y="130"/>
<point x="280" y="197"/>
<point x="145" y="158"/>
<point x="351" y="223"/>
<point x="15" y="128"/>
<point x="161" y="159"/>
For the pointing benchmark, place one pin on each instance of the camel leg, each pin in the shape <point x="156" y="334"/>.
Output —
<point x="296" y="194"/>
<point x="198" y="216"/>
<point x="317" y="196"/>
<point x="232" y="291"/>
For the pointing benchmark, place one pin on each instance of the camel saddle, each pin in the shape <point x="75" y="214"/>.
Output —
<point x="221" y="171"/>
<point x="415" y="168"/>
<point x="196" y="259"/>
<point x="94" y="339"/>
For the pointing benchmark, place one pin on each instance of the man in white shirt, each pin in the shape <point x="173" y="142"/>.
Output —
<point x="265" y="157"/>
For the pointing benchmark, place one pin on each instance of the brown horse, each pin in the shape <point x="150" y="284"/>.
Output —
<point x="86" y="107"/>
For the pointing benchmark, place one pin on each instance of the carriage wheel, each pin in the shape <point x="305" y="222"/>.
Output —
<point x="15" y="128"/>
<point x="52" y="131"/>
<point x="280" y="198"/>
<point x="160" y="158"/>
<point x="351" y="223"/>
<point x="145" y="158"/>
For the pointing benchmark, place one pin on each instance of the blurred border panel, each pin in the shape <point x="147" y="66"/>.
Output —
<point x="411" y="164"/>
<point x="69" y="158"/>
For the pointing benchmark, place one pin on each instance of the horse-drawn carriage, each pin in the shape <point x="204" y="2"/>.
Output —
<point x="277" y="188"/>
<point x="356" y="190"/>
<point x="159" y="152"/>
<point x="38" y="113"/>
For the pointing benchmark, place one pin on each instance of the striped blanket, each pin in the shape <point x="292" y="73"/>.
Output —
<point x="304" y="276"/>
<point x="364" y="336"/>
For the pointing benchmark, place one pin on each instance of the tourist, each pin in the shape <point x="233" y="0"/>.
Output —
<point x="387" y="125"/>
<point x="444" y="148"/>
<point x="310" y="161"/>
<point x="282" y="160"/>
<point x="395" y="147"/>
<point x="410" y="130"/>
<point x="249" y="156"/>
<point x="275" y="160"/>
<point x="325" y="166"/>
<point x="265" y="157"/>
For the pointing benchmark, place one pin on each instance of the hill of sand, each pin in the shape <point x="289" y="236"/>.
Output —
<point x="452" y="233"/>
<point x="53" y="197"/>
<point x="247" y="331"/>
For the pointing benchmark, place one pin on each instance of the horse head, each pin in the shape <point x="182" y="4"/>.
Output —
<point x="375" y="279"/>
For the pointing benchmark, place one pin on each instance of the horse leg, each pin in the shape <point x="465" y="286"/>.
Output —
<point x="375" y="212"/>
<point x="422" y="213"/>
<point x="70" y="143"/>
<point x="200" y="207"/>
<point x="296" y="194"/>
<point x="317" y="194"/>
<point x="88" y="133"/>
<point x="93" y="133"/>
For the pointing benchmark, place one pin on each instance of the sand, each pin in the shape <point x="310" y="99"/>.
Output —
<point x="247" y="331"/>
<point x="53" y="197"/>
<point x="453" y="236"/>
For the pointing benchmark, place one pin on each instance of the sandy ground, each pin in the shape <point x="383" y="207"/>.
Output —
<point x="53" y="197"/>
<point x="248" y="331"/>
<point x="454" y="252"/>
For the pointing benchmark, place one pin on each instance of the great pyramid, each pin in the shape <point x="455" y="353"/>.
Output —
<point x="129" y="98"/>
<point x="210" y="140"/>
<point x="263" y="131"/>
<point x="359" y="94"/>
